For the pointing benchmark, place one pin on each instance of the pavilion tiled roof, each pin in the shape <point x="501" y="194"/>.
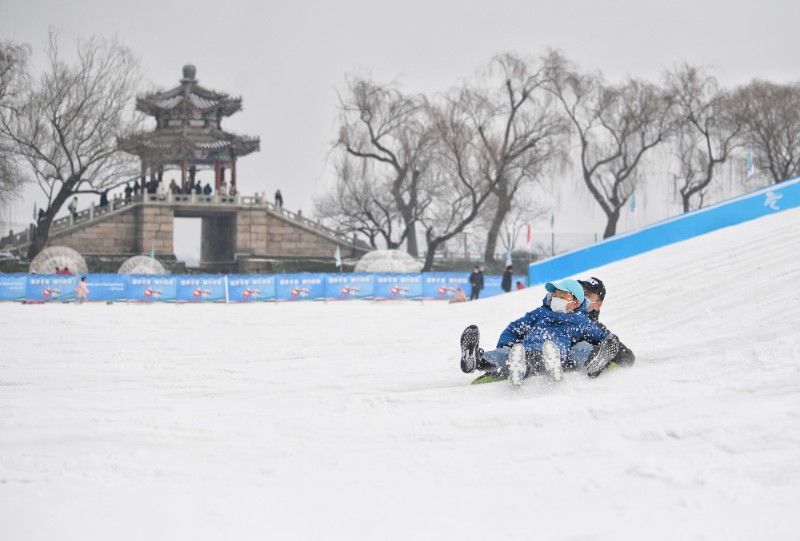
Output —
<point x="188" y="125"/>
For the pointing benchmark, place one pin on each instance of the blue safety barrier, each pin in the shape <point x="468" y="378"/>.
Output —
<point x="201" y="288"/>
<point x="13" y="287"/>
<point x="398" y="286"/>
<point x="152" y="288"/>
<point x="251" y="287"/>
<point x="243" y="287"/>
<point x="299" y="287"/>
<point x="349" y="286"/>
<point x="444" y="285"/>
<point x="776" y="198"/>
<point x="51" y="287"/>
<point x="107" y="287"/>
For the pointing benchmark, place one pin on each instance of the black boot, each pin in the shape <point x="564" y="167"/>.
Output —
<point x="470" y="352"/>
<point x="602" y="355"/>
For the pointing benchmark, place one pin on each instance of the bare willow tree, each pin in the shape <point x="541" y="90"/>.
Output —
<point x="520" y="133"/>
<point x="462" y="186"/>
<point x="388" y="131"/>
<point x="616" y="126"/>
<point x="708" y="127"/>
<point x="771" y="114"/>
<point x="64" y="126"/>
<point x="358" y="205"/>
<point x="13" y="72"/>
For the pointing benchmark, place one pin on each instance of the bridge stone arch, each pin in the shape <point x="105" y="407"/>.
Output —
<point x="236" y="231"/>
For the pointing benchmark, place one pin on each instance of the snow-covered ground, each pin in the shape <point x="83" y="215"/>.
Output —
<point x="352" y="420"/>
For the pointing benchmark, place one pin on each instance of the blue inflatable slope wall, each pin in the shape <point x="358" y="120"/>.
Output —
<point x="776" y="198"/>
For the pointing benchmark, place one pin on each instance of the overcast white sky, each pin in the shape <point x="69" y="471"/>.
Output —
<point x="287" y="58"/>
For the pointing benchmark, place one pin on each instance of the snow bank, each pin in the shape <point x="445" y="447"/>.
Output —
<point x="353" y="421"/>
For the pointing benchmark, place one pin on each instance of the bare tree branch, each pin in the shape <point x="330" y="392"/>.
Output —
<point x="64" y="127"/>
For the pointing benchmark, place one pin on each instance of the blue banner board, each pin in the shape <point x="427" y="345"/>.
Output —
<point x="251" y="287"/>
<point x="398" y="286"/>
<point x="13" y="286"/>
<point x="444" y="285"/>
<point x="201" y="288"/>
<point x="152" y="288"/>
<point x="243" y="287"/>
<point x="299" y="287"/>
<point x="51" y="287"/>
<point x="107" y="287"/>
<point x="349" y="286"/>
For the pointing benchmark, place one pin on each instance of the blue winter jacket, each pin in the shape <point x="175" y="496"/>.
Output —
<point x="563" y="329"/>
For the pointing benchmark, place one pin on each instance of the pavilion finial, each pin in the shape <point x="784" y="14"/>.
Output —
<point x="189" y="73"/>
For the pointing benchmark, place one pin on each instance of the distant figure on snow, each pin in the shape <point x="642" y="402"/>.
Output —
<point x="82" y="290"/>
<point x="476" y="282"/>
<point x="506" y="283"/>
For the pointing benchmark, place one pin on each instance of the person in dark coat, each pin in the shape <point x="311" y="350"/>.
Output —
<point x="207" y="189"/>
<point x="506" y="283"/>
<point x="278" y="199"/>
<point x="595" y="292"/>
<point x="476" y="283"/>
<point x="128" y="192"/>
<point x="104" y="198"/>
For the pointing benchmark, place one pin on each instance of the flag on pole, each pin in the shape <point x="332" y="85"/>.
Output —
<point x="509" y="262"/>
<point x="552" y="219"/>
<point x="529" y="238"/>
<point x="751" y="169"/>
<point x="633" y="202"/>
<point x="337" y="256"/>
<point x="35" y="212"/>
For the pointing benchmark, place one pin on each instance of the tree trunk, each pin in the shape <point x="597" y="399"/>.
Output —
<point x="611" y="224"/>
<point x="407" y="213"/>
<point x="428" y="265"/>
<point x="503" y="207"/>
<point x="411" y="241"/>
<point x="42" y="232"/>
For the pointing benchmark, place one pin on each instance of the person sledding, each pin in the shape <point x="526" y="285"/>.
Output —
<point x="594" y="291"/>
<point x="540" y="341"/>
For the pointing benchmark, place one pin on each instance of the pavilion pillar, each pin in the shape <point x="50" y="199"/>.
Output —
<point x="183" y="174"/>
<point x="233" y="171"/>
<point x="216" y="176"/>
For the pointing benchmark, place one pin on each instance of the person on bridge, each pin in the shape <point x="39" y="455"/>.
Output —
<point x="207" y="189"/>
<point x="278" y="199"/>
<point x="73" y="207"/>
<point x="128" y="192"/>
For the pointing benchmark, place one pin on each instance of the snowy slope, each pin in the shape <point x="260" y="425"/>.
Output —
<point x="351" y="420"/>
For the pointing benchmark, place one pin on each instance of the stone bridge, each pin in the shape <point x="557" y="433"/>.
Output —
<point x="238" y="232"/>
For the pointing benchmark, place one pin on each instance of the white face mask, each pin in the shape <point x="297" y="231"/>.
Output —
<point x="558" y="304"/>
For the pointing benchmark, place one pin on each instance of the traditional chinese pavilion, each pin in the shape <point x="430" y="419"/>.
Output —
<point x="188" y="134"/>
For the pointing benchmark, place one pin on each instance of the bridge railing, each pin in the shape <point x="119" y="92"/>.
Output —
<point x="117" y="203"/>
